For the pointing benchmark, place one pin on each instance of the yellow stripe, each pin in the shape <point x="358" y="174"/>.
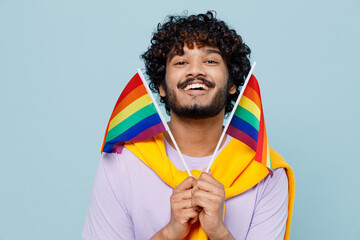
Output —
<point x="129" y="110"/>
<point x="250" y="106"/>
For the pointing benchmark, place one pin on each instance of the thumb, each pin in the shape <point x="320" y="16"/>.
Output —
<point x="204" y="170"/>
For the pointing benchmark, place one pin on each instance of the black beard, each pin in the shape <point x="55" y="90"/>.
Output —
<point x="195" y="111"/>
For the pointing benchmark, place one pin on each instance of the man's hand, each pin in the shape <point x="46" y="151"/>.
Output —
<point x="183" y="214"/>
<point x="208" y="198"/>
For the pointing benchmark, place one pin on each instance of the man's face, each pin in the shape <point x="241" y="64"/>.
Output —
<point x="196" y="83"/>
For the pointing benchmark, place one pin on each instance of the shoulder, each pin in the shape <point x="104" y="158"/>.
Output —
<point x="125" y="171"/>
<point x="115" y="159"/>
<point x="118" y="170"/>
<point x="115" y="164"/>
<point x="275" y="185"/>
<point x="277" y="160"/>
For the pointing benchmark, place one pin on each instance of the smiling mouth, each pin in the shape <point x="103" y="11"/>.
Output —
<point x="196" y="86"/>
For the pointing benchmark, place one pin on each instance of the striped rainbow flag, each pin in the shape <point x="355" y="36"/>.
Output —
<point x="248" y="125"/>
<point x="134" y="117"/>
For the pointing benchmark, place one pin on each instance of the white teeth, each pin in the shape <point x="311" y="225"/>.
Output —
<point x="196" y="85"/>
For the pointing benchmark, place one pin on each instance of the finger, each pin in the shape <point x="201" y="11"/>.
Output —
<point x="202" y="204"/>
<point x="207" y="177"/>
<point x="182" y="204"/>
<point x="194" y="219"/>
<point x="181" y="195"/>
<point x="206" y="199"/>
<point x="212" y="187"/>
<point x="188" y="214"/>
<point x="209" y="172"/>
<point x="191" y="213"/>
<point x="186" y="184"/>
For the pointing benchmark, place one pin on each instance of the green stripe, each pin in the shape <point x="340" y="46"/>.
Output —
<point x="248" y="117"/>
<point x="131" y="121"/>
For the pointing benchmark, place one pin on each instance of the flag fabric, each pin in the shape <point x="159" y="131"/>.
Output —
<point x="248" y="125"/>
<point x="134" y="117"/>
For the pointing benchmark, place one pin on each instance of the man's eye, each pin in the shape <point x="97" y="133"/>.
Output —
<point x="180" y="63"/>
<point x="211" y="61"/>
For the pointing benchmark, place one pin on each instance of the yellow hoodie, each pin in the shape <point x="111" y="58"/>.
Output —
<point x="234" y="167"/>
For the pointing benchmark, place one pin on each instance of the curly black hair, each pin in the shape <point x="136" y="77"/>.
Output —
<point x="200" y="30"/>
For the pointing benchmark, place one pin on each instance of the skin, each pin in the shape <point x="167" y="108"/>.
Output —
<point x="194" y="199"/>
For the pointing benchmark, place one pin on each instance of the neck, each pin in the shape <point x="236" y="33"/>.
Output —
<point x="196" y="137"/>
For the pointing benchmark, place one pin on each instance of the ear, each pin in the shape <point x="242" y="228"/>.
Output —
<point x="162" y="90"/>
<point x="232" y="89"/>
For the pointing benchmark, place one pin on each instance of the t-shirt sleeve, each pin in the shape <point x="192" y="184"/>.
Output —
<point x="271" y="211"/>
<point x="108" y="217"/>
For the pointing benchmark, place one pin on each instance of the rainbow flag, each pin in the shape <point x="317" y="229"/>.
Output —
<point x="248" y="125"/>
<point x="134" y="118"/>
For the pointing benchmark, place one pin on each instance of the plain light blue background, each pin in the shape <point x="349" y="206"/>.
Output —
<point x="64" y="63"/>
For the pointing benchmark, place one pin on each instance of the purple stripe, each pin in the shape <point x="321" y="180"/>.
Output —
<point x="243" y="137"/>
<point x="117" y="148"/>
<point x="150" y="132"/>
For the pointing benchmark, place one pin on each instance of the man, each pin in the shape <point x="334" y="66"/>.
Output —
<point x="196" y="64"/>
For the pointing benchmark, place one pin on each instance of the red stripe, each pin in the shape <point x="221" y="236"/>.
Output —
<point x="260" y="143"/>
<point x="264" y="150"/>
<point x="253" y="83"/>
<point x="261" y="154"/>
<point x="134" y="82"/>
<point x="241" y="136"/>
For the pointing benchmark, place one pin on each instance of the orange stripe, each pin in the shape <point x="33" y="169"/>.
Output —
<point x="252" y="95"/>
<point x="131" y="97"/>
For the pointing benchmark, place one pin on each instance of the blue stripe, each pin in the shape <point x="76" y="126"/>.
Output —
<point x="136" y="129"/>
<point x="245" y="127"/>
<point x="108" y="148"/>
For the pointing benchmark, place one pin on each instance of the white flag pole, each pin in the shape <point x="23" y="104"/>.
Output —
<point x="231" y="115"/>
<point x="163" y="121"/>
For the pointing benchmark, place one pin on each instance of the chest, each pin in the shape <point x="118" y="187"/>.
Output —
<point x="150" y="210"/>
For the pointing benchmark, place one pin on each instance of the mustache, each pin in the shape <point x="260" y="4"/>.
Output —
<point x="189" y="80"/>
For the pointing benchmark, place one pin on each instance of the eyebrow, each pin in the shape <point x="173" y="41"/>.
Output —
<point x="171" y="56"/>
<point x="212" y="51"/>
<point x="207" y="50"/>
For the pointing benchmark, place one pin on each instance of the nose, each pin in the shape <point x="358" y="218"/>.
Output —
<point x="195" y="69"/>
